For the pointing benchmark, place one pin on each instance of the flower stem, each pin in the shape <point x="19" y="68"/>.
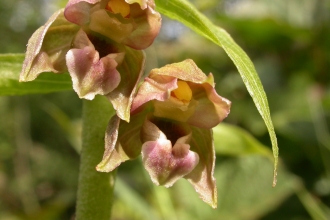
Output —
<point x="95" y="189"/>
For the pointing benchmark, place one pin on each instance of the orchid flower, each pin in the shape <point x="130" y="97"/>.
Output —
<point x="99" y="43"/>
<point x="134" y="23"/>
<point x="172" y="117"/>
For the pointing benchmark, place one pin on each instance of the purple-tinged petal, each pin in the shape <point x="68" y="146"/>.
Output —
<point x="205" y="109"/>
<point x="78" y="11"/>
<point x="202" y="177"/>
<point x="209" y="101"/>
<point x="138" y="30"/>
<point x="131" y="72"/>
<point x="164" y="163"/>
<point x="47" y="47"/>
<point x="154" y="89"/>
<point x="90" y="74"/>
<point x="148" y="23"/>
<point x="160" y="82"/>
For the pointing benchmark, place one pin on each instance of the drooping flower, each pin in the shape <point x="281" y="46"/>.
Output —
<point x="172" y="117"/>
<point x="98" y="42"/>
<point x="134" y="23"/>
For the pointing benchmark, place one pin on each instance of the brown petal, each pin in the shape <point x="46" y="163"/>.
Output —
<point x="47" y="47"/>
<point x="122" y="142"/>
<point x="202" y="177"/>
<point x="131" y="72"/>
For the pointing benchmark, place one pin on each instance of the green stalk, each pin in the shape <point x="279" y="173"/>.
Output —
<point x="95" y="189"/>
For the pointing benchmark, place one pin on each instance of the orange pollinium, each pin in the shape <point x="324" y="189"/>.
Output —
<point x="183" y="92"/>
<point x="119" y="7"/>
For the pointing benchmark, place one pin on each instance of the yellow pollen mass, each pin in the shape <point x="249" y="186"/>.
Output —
<point x="119" y="6"/>
<point x="183" y="92"/>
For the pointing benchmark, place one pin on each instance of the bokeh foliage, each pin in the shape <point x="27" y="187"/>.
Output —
<point x="289" y="45"/>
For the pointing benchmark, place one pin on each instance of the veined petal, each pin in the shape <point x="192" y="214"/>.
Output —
<point x="211" y="108"/>
<point x="78" y="11"/>
<point x="90" y="74"/>
<point x="204" y="109"/>
<point x="147" y="26"/>
<point x="47" y="47"/>
<point x="137" y="30"/>
<point x="202" y="177"/>
<point x="160" y="82"/>
<point x="131" y="72"/>
<point x="157" y="88"/>
<point x="164" y="163"/>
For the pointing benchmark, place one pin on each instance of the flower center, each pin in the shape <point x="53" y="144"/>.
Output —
<point x="183" y="92"/>
<point x="172" y="129"/>
<point x="119" y="7"/>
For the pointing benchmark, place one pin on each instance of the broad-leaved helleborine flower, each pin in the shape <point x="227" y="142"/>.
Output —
<point x="172" y="117"/>
<point x="134" y="23"/>
<point x="98" y="42"/>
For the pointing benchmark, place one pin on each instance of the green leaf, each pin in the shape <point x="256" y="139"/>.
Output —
<point x="244" y="191"/>
<point x="234" y="141"/>
<point x="10" y="68"/>
<point x="186" y="13"/>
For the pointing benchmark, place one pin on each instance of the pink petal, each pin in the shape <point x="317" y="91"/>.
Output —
<point x="154" y="89"/>
<point x="206" y="108"/>
<point x="211" y="108"/>
<point x="165" y="164"/>
<point x="148" y="23"/>
<point x="90" y="74"/>
<point x="78" y="11"/>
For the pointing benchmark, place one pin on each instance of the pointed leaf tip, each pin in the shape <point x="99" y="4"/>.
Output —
<point x="185" y="12"/>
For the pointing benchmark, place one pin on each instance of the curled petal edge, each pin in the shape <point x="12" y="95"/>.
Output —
<point x="30" y="71"/>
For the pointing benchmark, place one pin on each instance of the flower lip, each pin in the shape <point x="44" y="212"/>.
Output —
<point x="166" y="155"/>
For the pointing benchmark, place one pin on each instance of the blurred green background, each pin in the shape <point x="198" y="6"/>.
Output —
<point x="289" y="43"/>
